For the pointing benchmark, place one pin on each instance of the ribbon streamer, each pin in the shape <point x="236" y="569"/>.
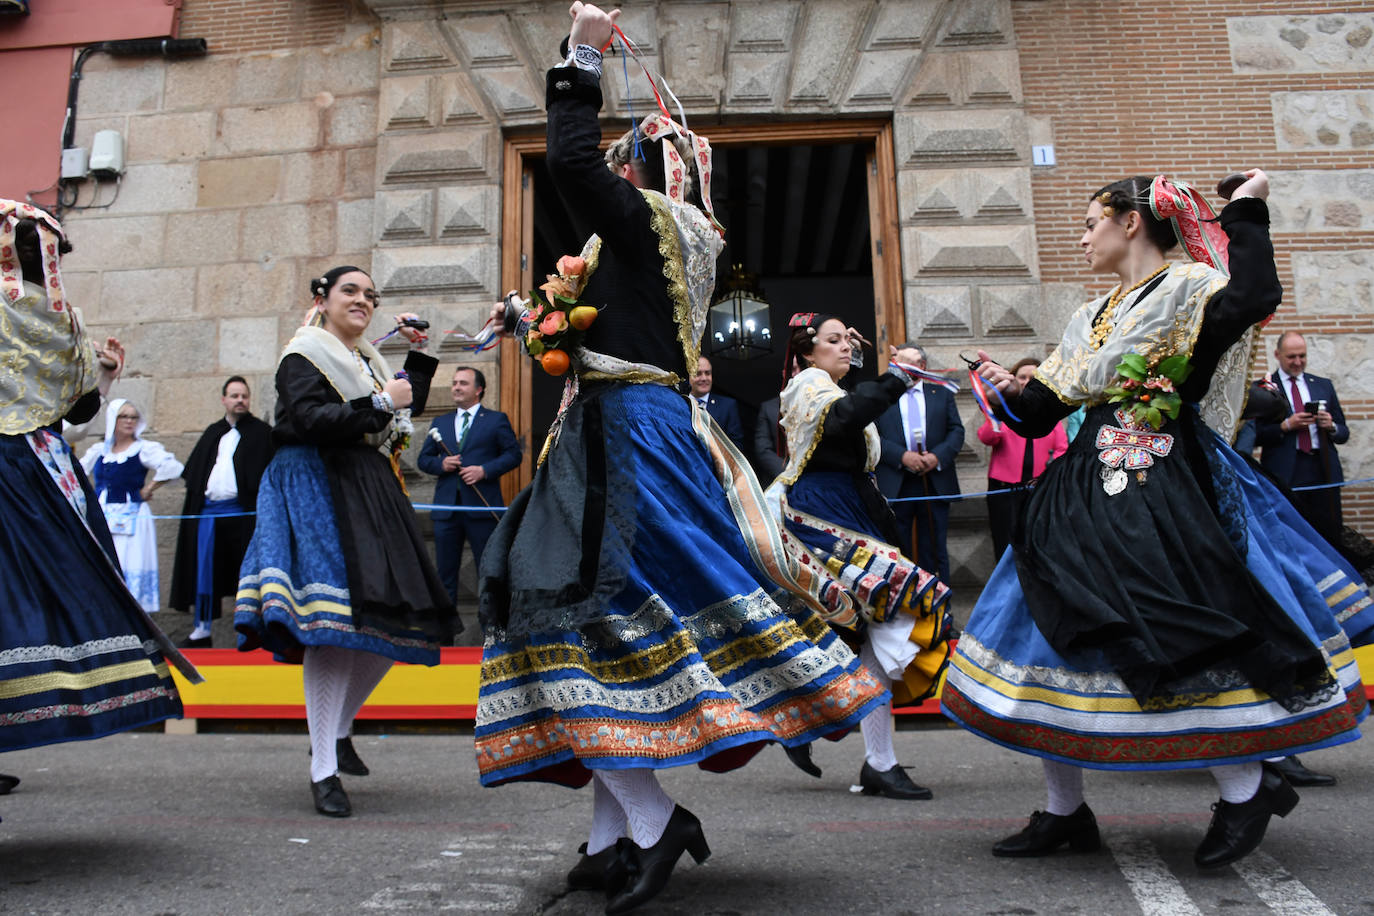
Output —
<point x="485" y="339"/>
<point x="980" y="388"/>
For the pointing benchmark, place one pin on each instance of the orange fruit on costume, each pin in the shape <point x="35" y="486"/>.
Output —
<point x="555" y="362"/>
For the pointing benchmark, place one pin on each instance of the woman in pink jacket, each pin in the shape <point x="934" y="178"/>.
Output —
<point x="1014" y="463"/>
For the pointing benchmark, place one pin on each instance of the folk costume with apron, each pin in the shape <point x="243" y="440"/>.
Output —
<point x="826" y="496"/>
<point x="640" y="607"/>
<point x="1144" y="619"/>
<point x="119" y="479"/>
<point x="78" y="657"/>
<point x="336" y="557"/>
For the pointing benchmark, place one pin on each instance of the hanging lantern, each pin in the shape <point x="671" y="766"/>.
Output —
<point x="738" y="321"/>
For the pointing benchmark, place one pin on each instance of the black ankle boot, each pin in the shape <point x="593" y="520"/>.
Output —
<point x="7" y="783"/>
<point x="1047" y="832"/>
<point x="1300" y="776"/>
<point x="330" y="798"/>
<point x="801" y="759"/>
<point x="347" y="759"/>
<point x="893" y="783"/>
<point x="589" y="874"/>
<point x="1237" y="828"/>
<point x="648" y="870"/>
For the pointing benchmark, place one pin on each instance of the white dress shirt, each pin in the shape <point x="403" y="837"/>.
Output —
<point x="222" y="484"/>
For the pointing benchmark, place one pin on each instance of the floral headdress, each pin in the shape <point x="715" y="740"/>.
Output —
<point x="1193" y="220"/>
<point x="49" y="238"/>
<point x="791" y="360"/>
<point x="675" y="172"/>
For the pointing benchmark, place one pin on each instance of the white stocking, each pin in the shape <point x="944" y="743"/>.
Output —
<point x="1064" y="782"/>
<point x="1238" y="782"/>
<point x="608" y="819"/>
<point x="877" y="725"/>
<point x="326" y="674"/>
<point x="368" y="671"/>
<point x="647" y="807"/>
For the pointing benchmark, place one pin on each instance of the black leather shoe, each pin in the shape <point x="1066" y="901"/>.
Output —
<point x="7" y="783"/>
<point x="589" y="874"/>
<point x="330" y="798"/>
<point x="202" y="642"/>
<point x="892" y="784"/>
<point x="347" y="759"/>
<point x="1047" y="832"/>
<point x="801" y="759"/>
<point x="647" y="870"/>
<point x="1299" y="775"/>
<point x="1236" y="829"/>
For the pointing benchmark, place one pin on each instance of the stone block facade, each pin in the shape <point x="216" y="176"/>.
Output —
<point x="371" y="132"/>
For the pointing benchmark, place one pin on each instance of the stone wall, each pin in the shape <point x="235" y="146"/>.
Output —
<point x="371" y="132"/>
<point x="455" y="75"/>
<point x="1200" y="90"/>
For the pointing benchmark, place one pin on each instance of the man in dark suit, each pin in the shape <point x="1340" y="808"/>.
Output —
<point x="1301" y="451"/>
<point x="222" y="477"/>
<point x="478" y="446"/>
<point x="921" y="438"/>
<point x="722" y="409"/>
<point x="768" y="464"/>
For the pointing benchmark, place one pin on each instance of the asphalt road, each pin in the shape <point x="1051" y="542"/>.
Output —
<point x="150" y="823"/>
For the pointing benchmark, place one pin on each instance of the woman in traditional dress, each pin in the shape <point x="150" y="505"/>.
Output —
<point x="1142" y="620"/>
<point x="336" y="577"/>
<point x="1014" y="462"/>
<point x="119" y="466"/>
<point x="78" y="657"/>
<point x="828" y="498"/>
<point x="628" y="594"/>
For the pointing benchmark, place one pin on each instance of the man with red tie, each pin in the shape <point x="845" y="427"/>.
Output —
<point x="1301" y="451"/>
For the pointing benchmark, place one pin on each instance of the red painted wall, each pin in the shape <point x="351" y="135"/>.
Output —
<point x="36" y="56"/>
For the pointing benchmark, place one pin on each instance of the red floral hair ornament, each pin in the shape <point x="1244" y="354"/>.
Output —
<point x="49" y="238"/>
<point x="1193" y="220"/>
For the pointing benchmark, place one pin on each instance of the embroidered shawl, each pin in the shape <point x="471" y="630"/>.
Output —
<point x="341" y="369"/>
<point x="46" y="362"/>
<point x="803" y="407"/>
<point x="1163" y="323"/>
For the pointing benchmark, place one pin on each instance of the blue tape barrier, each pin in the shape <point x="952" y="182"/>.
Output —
<point x="434" y="507"/>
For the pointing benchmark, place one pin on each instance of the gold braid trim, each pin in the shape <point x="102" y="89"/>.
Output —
<point x="1044" y="380"/>
<point x="665" y="227"/>
<point x="636" y="377"/>
<point x="810" y="449"/>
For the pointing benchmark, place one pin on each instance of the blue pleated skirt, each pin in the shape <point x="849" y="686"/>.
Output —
<point x="1009" y="685"/>
<point x="293" y="584"/>
<point x="77" y="654"/>
<point x="696" y="660"/>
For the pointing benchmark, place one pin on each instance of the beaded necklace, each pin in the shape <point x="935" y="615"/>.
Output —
<point x="366" y="369"/>
<point x="1103" y="324"/>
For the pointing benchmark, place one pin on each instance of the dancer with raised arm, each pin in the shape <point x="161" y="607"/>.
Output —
<point x="628" y="595"/>
<point x="828" y="498"/>
<point x="337" y="577"/>
<point x="78" y="657"/>
<point x="1141" y="620"/>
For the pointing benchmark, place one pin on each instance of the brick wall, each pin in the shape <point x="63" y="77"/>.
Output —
<point x="1136" y="88"/>
<point x="241" y="26"/>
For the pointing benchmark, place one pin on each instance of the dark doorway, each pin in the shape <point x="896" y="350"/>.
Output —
<point x="797" y="216"/>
